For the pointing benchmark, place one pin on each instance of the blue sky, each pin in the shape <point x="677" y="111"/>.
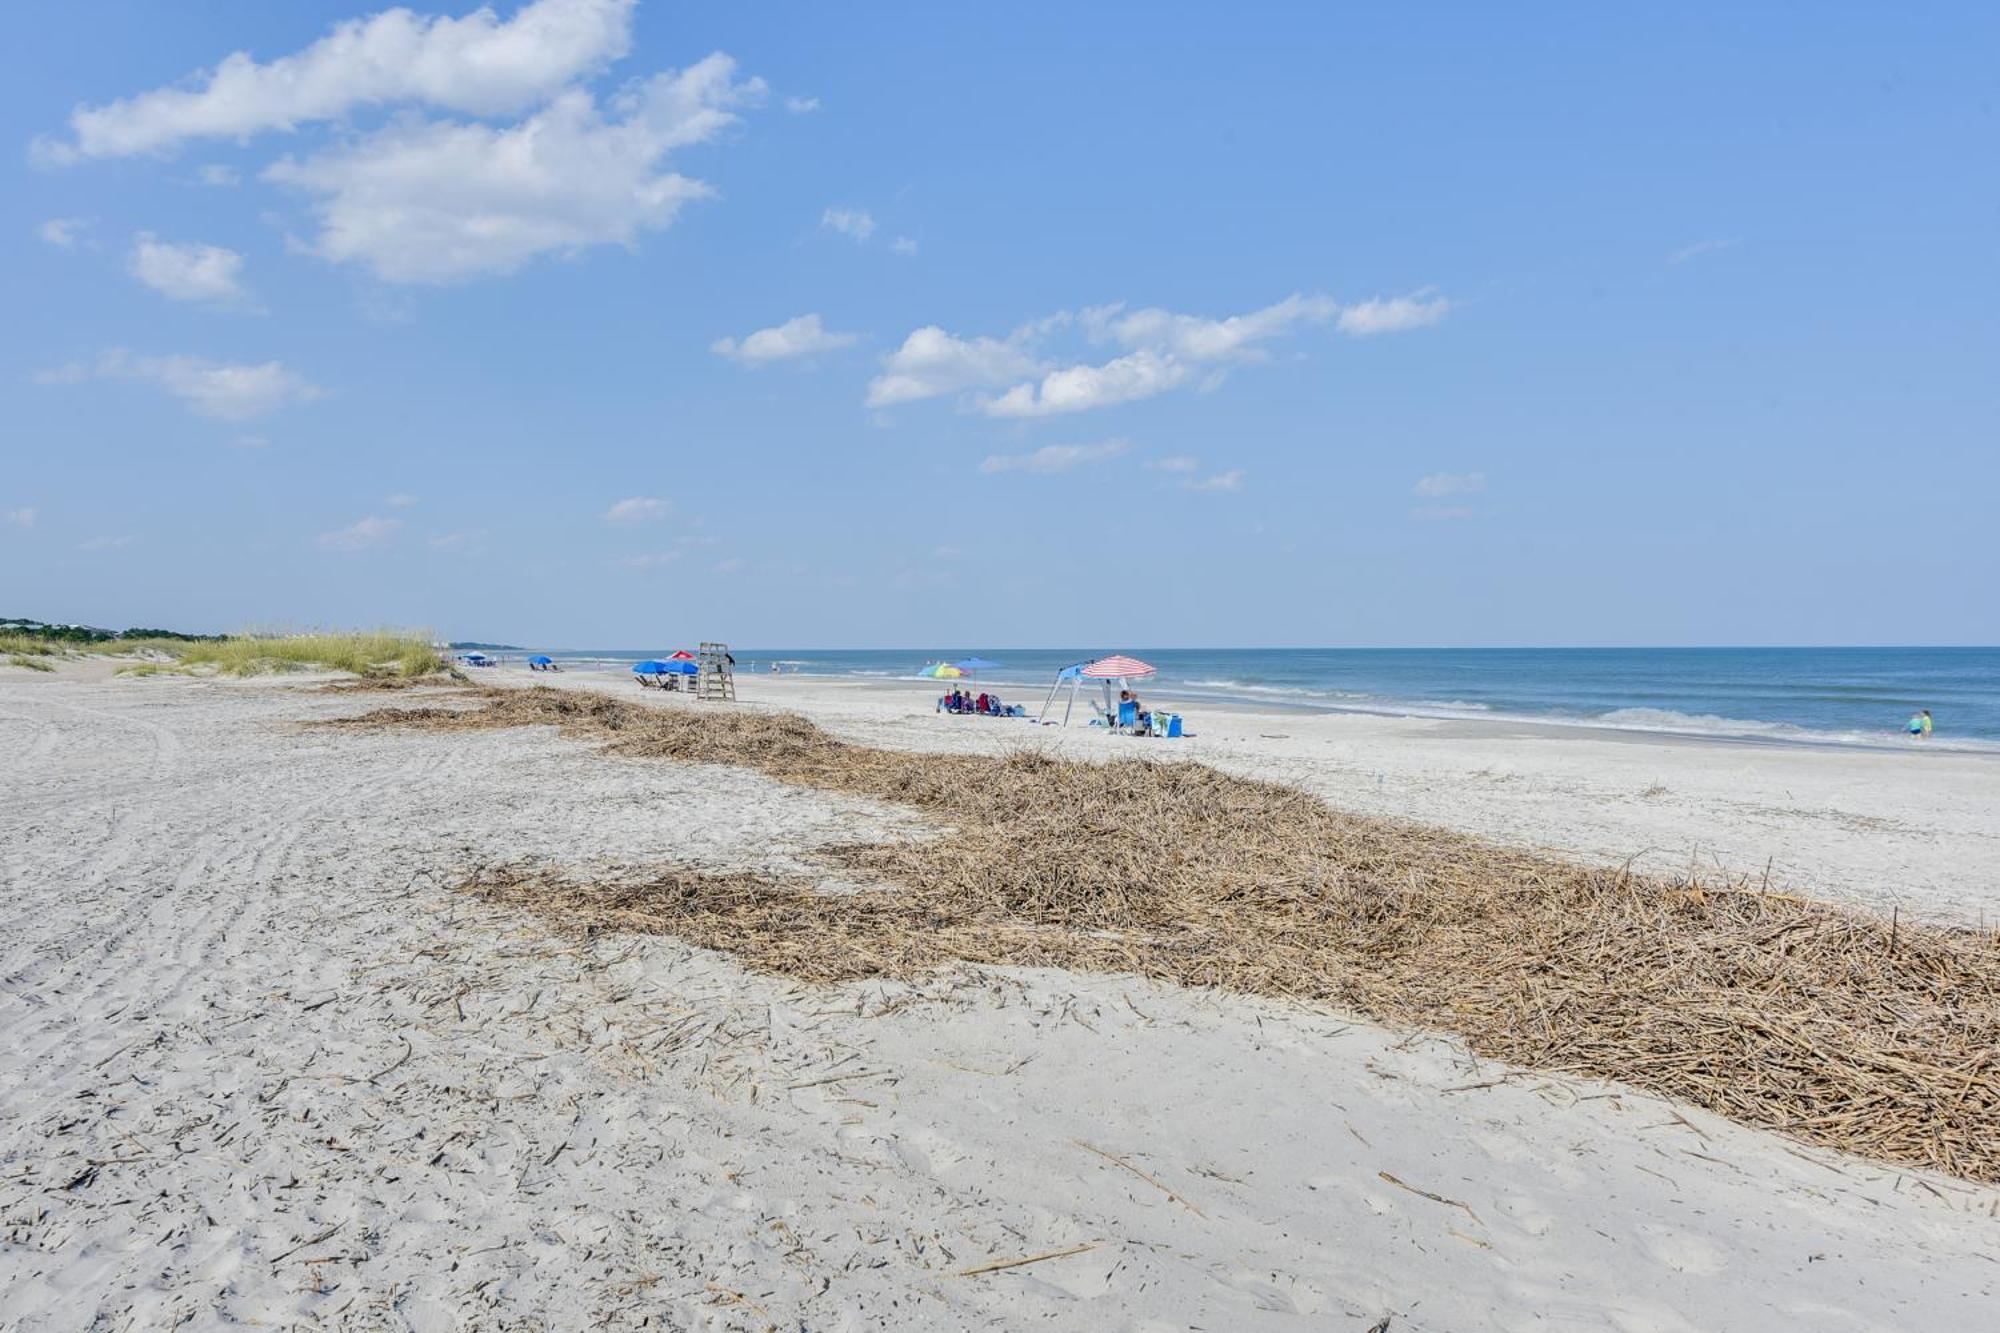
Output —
<point x="594" y="323"/>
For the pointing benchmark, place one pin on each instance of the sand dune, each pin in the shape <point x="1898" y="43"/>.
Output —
<point x="264" y="1065"/>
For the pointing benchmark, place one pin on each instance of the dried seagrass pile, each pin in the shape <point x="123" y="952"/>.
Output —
<point x="1823" y="1023"/>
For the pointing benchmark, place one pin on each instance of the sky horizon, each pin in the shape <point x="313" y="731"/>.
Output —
<point x="577" y="322"/>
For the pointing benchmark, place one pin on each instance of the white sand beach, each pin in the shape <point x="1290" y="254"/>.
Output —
<point x="264" y="1066"/>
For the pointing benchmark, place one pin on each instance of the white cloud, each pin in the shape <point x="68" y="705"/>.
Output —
<point x="215" y="389"/>
<point x="638" y="509"/>
<point x="105" y="543"/>
<point x="360" y="535"/>
<point x="1173" y="463"/>
<point x="1395" y="314"/>
<point x="1687" y="252"/>
<point x="1081" y="388"/>
<point x="219" y="176"/>
<point x="803" y="336"/>
<point x="400" y="500"/>
<point x="225" y="391"/>
<point x="852" y="222"/>
<point x="904" y="246"/>
<point x="1450" y="483"/>
<point x="1053" y="458"/>
<point x="206" y="274"/>
<point x="799" y="106"/>
<point x="61" y="232"/>
<point x="651" y="560"/>
<point x="1197" y="339"/>
<point x="435" y="201"/>
<point x="24" y="517"/>
<point x="476" y="64"/>
<point x="1231" y="480"/>
<point x="457" y="541"/>
<point x="932" y="362"/>
<point x="1164" y="350"/>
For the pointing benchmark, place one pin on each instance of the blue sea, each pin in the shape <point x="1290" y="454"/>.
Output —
<point x="1844" y="696"/>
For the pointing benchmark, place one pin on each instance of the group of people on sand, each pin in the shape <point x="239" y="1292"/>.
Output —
<point x="963" y="701"/>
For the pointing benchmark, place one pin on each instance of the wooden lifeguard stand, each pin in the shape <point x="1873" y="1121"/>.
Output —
<point x="716" y="674"/>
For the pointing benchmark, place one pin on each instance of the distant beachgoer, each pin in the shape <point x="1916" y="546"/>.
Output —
<point x="1920" y="723"/>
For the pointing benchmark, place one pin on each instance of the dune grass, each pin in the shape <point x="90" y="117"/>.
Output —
<point x="374" y="653"/>
<point x="32" y="663"/>
<point x="1834" y="1026"/>
<point x="364" y="653"/>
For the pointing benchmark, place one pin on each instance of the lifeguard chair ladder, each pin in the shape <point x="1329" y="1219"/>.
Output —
<point x="715" y="678"/>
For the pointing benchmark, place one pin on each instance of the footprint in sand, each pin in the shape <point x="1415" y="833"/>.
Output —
<point x="1682" y="1252"/>
<point x="1275" y="1292"/>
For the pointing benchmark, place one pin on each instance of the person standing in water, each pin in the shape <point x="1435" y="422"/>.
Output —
<point x="1920" y="723"/>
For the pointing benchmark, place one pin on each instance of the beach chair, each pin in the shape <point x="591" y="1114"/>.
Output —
<point x="1128" y="716"/>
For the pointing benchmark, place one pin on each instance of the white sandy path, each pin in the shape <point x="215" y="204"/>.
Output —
<point x="261" y="1067"/>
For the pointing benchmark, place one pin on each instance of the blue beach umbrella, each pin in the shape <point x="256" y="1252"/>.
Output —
<point x="971" y="665"/>
<point x="541" y="659"/>
<point x="650" y="668"/>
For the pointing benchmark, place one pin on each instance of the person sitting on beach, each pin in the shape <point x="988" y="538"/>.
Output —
<point x="1145" y="718"/>
<point x="979" y="704"/>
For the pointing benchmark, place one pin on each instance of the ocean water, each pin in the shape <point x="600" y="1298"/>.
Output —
<point x="1851" y="696"/>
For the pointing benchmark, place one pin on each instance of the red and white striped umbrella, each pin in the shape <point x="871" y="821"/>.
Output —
<point x="1116" y="668"/>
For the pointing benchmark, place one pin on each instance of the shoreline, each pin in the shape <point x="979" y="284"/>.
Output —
<point x="1186" y="698"/>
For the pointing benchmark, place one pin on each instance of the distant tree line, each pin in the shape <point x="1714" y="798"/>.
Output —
<point x="91" y="634"/>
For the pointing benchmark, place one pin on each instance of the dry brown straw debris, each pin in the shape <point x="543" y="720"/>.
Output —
<point x="1773" y="1010"/>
